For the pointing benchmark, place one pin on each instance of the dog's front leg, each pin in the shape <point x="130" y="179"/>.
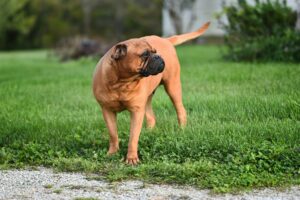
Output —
<point x="136" y="122"/>
<point x="111" y="124"/>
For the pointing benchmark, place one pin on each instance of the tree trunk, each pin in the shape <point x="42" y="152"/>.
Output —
<point x="87" y="8"/>
<point x="173" y="8"/>
<point x="176" y="9"/>
<point x="119" y="18"/>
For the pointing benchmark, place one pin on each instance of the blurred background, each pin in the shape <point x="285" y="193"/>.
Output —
<point x="43" y="23"/>
<point x="78" y="28"/>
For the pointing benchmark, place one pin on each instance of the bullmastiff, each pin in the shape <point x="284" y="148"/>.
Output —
<point x="126" y="77"/>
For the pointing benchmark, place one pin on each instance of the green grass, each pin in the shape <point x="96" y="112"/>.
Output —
<point x="243" y="122"/>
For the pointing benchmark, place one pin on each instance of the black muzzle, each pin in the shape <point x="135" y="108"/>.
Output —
<point x="153" y="66"/>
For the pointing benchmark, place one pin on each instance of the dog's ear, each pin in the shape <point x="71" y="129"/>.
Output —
<point x="120" y="51"/>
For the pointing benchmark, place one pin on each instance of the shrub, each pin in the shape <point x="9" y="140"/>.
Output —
<point x="261" y="32"/>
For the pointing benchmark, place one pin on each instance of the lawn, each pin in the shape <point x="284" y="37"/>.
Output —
<point x="243" y="122"/>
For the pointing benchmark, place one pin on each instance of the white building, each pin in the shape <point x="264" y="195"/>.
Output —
<point x="203" y="11"/>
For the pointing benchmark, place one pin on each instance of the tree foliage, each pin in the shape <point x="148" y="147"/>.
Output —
<point x="15" y="22"/>
<point x="262" y="32"/>
<point x="42" y="23"/>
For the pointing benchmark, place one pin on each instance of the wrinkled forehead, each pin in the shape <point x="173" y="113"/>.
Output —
<point x="138" y="46"/>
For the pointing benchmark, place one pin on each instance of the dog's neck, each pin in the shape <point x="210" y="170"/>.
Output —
<point x="117" y="79"/>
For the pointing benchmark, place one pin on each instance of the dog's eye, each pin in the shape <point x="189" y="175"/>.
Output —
<point x="145" y="54"/>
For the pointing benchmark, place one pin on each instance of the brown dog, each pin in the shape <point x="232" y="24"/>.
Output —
<point x="126" y="78"/>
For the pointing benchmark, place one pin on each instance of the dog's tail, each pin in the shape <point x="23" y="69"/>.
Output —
<point x="179" y="39"/>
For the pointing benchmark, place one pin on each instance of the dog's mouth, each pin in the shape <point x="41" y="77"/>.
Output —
<point x="153" y="65"/>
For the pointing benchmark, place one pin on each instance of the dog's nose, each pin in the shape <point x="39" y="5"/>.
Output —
<point x="155" y="57"/>
<point x="161" y="67"/>
<point x="160" y="63"/>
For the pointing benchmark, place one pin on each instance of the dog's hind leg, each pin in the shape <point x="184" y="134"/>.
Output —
<point x="173" y="89"/>
<point x="149" y="114"/>
<point x="110" y="118"/>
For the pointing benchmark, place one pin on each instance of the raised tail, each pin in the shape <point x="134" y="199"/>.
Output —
<point x="179" y="39"/>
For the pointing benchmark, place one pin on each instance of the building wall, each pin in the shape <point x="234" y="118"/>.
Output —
<point x="204" y="10"/>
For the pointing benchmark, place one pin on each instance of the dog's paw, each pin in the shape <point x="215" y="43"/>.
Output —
<point x="132" y="159"/>
<point x="112" y="150"/>
<point x="150" y="122"/>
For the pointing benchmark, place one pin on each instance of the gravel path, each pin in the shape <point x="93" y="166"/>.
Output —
<point x="45" y="184"/>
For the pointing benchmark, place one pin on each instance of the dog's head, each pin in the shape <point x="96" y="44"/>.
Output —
<point x="136" y="56"/>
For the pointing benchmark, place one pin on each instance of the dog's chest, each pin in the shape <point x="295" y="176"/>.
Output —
<point x="117" y="100"/>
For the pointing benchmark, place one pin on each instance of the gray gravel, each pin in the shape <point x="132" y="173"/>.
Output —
<point x="45" y="184"/>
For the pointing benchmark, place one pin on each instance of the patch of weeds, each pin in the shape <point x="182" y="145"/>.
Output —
<point x="95" y="177"/>
<point x="183" y="197"/>
<point x="112" y="186"/>
<point x="48" y="186"/>
<point x="57" y="191"/>
<point x="75" y="187"/>
<point x="99" y="190"/>
<point x="76" y="165"/>
<point x="4" y="167"/>
<point x="143" y="186"/>
<point x="85" y="198"/>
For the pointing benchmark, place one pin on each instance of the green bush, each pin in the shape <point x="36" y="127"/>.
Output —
<point x="261" y="32"/>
